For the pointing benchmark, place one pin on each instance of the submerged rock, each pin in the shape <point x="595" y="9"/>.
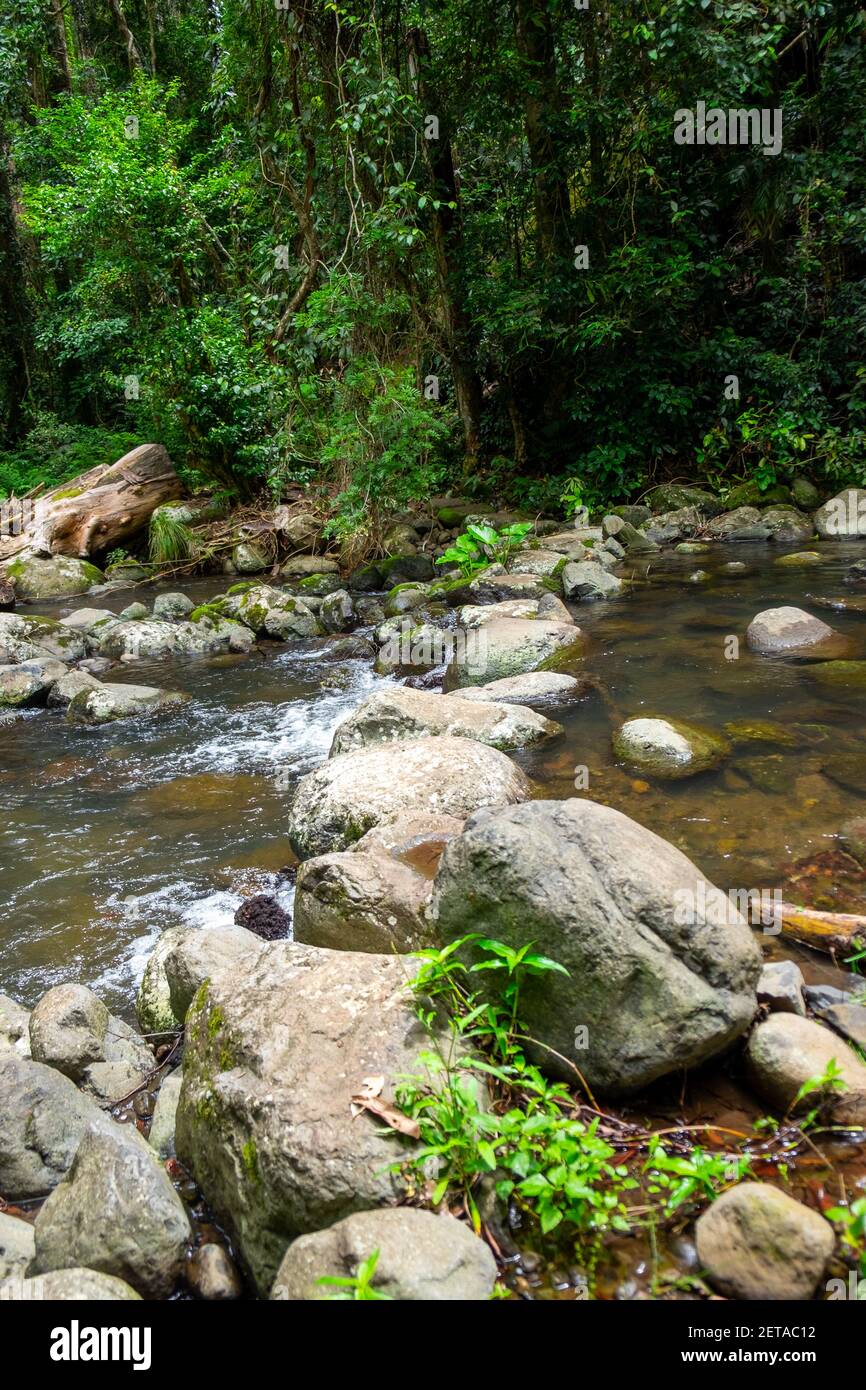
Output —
<point x="336" y="804"/>
<point x="757" y="1243"/>
<point x="782" y="630"/>
<point x="107" y="703"/>
<point x="662" y="969"/>
<point x="669" y="748"/>
<point x="116" y="1213"/>
<point x="211" y="1274"/>
<point x="533" y="688"/>
<point x="274" y="1053"/>
<point x="422" y="1258"/>
<point x="401" y="713"/>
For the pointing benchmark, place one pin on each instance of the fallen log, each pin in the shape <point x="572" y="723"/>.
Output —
<point x="96" y="511"/>
<point x="834" y="933"/>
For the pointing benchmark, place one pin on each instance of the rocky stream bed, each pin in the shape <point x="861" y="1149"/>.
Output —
<point x="235" y="805"/>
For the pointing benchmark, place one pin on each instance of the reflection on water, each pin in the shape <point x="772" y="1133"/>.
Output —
<point x="110" y="836"/>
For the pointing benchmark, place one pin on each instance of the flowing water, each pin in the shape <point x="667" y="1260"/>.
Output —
<point x="109" y="836"/>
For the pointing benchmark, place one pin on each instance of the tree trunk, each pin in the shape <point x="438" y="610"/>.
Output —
<point x="447" y="239"/>
<point x="99" y="509"/>
<point x="15" y="323"/>
<point x="543" y="107"/>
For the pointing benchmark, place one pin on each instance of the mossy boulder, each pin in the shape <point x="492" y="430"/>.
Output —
<point x="60" y="576"/>
<point x="668" y="748"/>
<point x="670" y="497"/>
<point x="512" y="647"/>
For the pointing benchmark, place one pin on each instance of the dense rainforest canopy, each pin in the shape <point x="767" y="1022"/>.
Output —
<point x="385" y="246"/>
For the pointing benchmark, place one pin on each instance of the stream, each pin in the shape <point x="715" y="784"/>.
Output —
<point x="110" y="836"/>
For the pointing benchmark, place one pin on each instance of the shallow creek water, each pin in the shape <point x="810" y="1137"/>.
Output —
<point x="110" y="836"/>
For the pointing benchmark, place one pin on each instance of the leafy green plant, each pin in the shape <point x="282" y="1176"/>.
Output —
<point x="465" y="554"/>
<point x="697" y="1175"/>
<point x="358" y="1287"/>
<point x="852" y="1220"/>
<point x="532" y="1140"/>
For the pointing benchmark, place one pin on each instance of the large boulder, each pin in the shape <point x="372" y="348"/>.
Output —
<point x="742" y="524"/>
<point x="423" y="1258"/>
<point x="355" y="901"/>
<point x="669" y="497"/>
<point x="270" y="612"/>
<point x="28" y="639"/>
<point x="399" y="712"/>
<point x="206" y="634"/>
<point x="546" y="564"/>
<point x="43" y="1116"/>
<point x="336" y="804"/>
<point x="64" y="690"/>
<point x="844" y="516"/>
<point x="72" y="1030"/>
<point x="512" y="647"/>
<point x="104" y="704"/>
<point x="117" y="1213"/>
<point x="589" y="580"/>
<point x="202" y="953"/>
<point x="785" y="1051"/>
<point x="756" y="1242"/>
<point x="662" y="969"/>
<point x="668" y="748"/>
<point x="788" y="525"/>
<point x="60" y="576"/>
<point x="781" y="630"/>
<point x="20" y="687"/>
<point x="274" y="1054"/>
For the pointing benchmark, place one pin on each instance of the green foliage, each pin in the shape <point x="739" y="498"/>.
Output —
<point x="54" y="452"/>
<point x="480" y="543"/>
<point x="533" y="1141"/>
<point x="169" y="539"/>
<point x="852" y="1220"/>
<point x="700" y="1175"/>
<point x="358" y="1287"/>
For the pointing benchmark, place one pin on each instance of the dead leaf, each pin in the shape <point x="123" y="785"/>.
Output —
<point x="389" y="1113"/>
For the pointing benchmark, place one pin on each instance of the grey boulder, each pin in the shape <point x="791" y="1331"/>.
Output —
<point x="662" y="972"/>
<point x="274" y="1054"/>
<point x="399" y="712"/>
<point x="337" y="803"/>
<point x="757" y="1243"/>
<point x="116" y="1213"/>
<point x="423" y="1258"/>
